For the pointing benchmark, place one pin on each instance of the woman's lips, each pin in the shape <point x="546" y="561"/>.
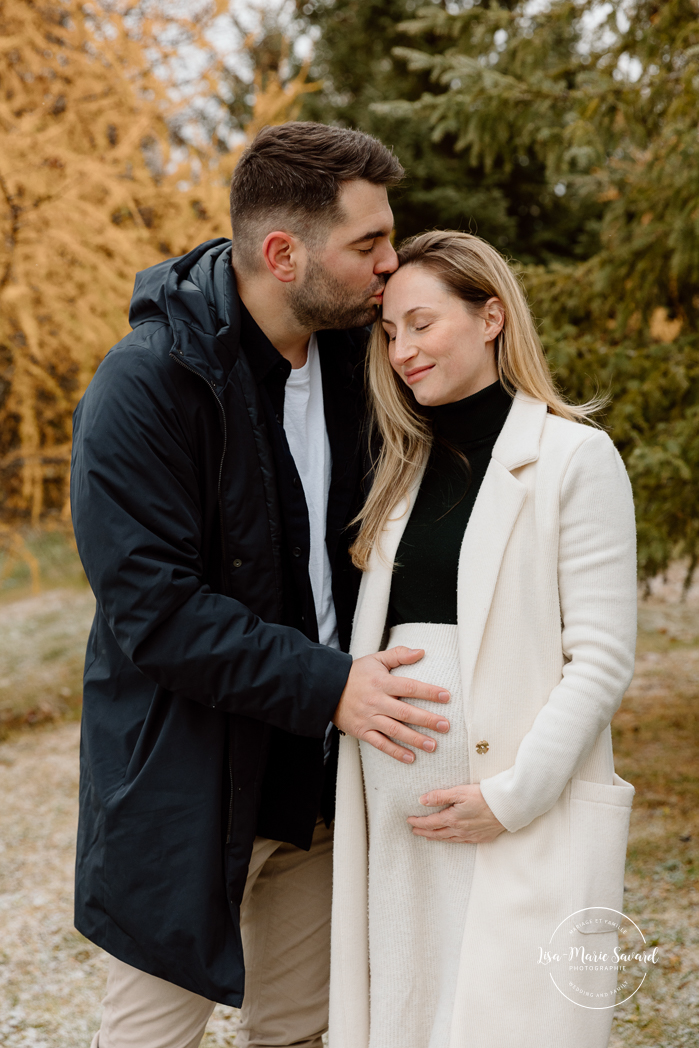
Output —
<point x="413" y="376"/>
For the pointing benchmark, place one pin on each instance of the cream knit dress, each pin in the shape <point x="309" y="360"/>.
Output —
<point x="418" y="888"/>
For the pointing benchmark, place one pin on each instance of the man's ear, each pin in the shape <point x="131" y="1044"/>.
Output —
<point x="281" y="253"/>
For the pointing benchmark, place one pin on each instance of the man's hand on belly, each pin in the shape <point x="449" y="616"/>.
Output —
<point x="466" y="820"/>
<point x="372" y="708"/>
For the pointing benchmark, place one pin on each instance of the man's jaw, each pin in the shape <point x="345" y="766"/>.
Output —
<point x="372" y="314"/>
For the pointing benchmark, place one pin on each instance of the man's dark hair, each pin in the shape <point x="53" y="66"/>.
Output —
<point x="291" y="175"/>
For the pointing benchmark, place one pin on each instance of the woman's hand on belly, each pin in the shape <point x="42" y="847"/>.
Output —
<point x="466" y="820"/>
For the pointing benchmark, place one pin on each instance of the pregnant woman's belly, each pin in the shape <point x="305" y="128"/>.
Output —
<point x="392" y="787"/>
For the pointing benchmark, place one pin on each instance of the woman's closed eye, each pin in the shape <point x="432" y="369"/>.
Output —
<point x="392" y="338"/>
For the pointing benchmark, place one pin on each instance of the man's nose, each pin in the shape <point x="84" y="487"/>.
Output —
<point x="388" y="262"/>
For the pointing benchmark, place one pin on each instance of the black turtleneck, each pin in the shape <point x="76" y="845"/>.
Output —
<point x="424" y="579"/>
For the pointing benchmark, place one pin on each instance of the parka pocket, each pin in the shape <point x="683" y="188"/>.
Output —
<point x="599" y="830"/>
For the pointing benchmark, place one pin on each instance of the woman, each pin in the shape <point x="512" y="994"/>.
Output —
<point x="498" y="536"/>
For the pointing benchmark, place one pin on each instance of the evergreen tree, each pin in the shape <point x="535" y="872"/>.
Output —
<point x="601" y="101"/>
<point x="510" y="205"/>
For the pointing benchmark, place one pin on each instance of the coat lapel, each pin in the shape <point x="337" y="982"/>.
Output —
<point x="485" y="540"/>
<point x="375" y="589"/>
<point x="495" y="512"/>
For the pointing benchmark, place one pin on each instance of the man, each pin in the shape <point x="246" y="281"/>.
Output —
<point x="215" y="469"/>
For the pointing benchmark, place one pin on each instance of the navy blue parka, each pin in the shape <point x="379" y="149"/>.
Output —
<point x="191" y="674"/>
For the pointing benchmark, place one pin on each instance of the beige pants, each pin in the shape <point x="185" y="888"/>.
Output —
<point x="285" y="926"/>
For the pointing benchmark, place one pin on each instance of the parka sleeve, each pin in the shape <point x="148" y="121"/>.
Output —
<point x="138" y="524"/>
<point x="598" y="598"/>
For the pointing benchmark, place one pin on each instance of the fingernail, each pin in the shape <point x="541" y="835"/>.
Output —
<point x="414" y="651"/>
<point x="443" y="696"/>
<point x="442" y="725"/>
<point x="429" y="744"/>
<point x="408" y="758"/>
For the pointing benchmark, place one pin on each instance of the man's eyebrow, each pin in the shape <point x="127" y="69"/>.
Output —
<point x="373" y="235"/>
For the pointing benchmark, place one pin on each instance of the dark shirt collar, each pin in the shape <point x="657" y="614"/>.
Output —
<point x="265" y="361"/>
<point x="473" y="419"/>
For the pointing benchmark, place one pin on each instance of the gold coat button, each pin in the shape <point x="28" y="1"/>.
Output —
<point x="482" y="746"/>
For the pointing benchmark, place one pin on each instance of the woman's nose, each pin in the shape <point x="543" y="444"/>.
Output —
<point x="402" y="350"/>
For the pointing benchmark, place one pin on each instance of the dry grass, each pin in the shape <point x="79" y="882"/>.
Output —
<point x="656" y="743"/>
<point x="42" y="652"/>
<point x="51" y="979"/>
<point x="42" y="638"/>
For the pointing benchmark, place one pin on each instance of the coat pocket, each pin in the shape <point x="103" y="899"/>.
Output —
<point x="599" y="829"/>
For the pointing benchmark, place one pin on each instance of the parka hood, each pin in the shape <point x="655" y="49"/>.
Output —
<point x="195" y="295"/>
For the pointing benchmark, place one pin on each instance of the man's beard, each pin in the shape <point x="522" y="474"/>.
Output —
<point x="323" y="303"/>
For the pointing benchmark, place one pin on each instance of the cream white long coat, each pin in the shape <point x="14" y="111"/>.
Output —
<point x="547" y="626"/>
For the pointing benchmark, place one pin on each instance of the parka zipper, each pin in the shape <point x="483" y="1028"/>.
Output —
<point x="230" y="801"/>
<point x="212" y="387"/>
<point x="224" y="552"/>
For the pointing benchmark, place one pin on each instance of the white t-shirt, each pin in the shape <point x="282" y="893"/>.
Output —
<point x="307" y="436"/>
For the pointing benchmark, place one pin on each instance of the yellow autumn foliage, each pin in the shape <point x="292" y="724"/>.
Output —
<point x="91" y="191"/>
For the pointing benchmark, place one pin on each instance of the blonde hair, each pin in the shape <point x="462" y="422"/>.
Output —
<point x="475" y="272"/>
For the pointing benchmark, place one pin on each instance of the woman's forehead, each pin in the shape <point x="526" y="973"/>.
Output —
<point x="411" y="288"/>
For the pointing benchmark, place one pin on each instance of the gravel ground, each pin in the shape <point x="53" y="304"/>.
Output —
<point x="52" y="980"/>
